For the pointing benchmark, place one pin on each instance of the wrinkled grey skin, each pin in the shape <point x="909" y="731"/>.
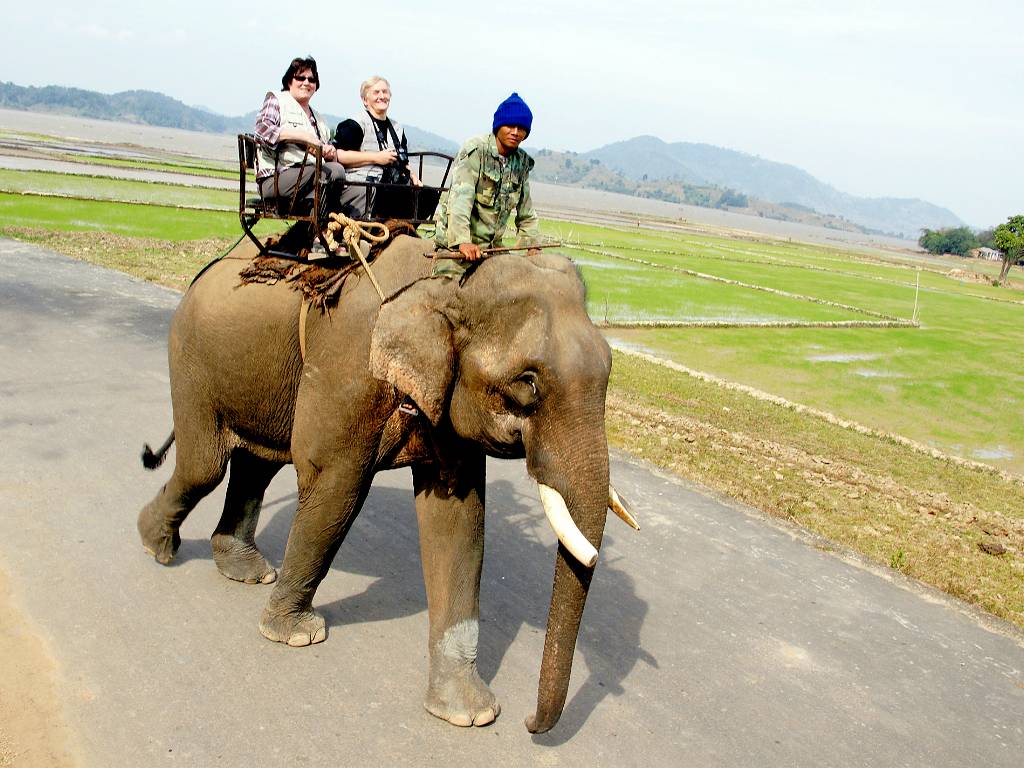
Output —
<point x="505" y="364"/>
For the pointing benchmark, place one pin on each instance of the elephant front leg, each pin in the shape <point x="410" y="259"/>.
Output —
<point x="451" y="524"/>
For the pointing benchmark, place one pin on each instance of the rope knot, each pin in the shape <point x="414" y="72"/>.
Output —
<point x="353" y="231"/>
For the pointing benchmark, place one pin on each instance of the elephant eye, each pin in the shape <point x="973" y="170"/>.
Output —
<point x="523" y="391"/>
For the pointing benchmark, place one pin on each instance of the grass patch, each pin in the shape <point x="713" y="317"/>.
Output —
<point x="613" y="288"/>
<point x="898" y="380"/>
<point x="151" y="221"/>
<point x="172" y="263"/>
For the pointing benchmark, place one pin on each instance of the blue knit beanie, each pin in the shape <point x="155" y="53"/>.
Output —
<point x="512" y="111"/>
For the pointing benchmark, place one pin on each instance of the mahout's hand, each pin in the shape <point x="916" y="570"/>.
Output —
<point x="470" y="251"/>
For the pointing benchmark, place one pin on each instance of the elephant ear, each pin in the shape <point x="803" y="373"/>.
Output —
<point x="412" y="346"/>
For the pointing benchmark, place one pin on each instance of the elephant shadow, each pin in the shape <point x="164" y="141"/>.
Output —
<point x="383" y="544"/>
<point x="515" y="590"/>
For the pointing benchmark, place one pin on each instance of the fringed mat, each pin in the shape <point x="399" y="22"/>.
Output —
<point x="320" y="283"/>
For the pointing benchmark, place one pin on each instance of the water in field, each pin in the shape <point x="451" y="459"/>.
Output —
<point x="605" y="264"/>
<point x="841" y="358"/>
<point x="870" y="374"/>
<point x="1000" y="452"/>
<point x="629" y="346"/>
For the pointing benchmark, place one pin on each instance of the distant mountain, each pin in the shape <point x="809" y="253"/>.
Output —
<point x="698" y="174"/>
<point x="573" y="169"/>
<point x="650" y="158"/>
<point x="151" y="108"/>
<point x="145" y="107"/>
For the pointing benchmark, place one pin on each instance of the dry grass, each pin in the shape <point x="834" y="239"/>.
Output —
<point x="926" y="517"/>
<point x="165" y="262"/>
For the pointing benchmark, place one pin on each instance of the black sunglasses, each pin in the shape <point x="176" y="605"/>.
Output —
<point x="304" y="78"/>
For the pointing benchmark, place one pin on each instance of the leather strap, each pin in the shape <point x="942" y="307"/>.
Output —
<point x="303" y="311"/>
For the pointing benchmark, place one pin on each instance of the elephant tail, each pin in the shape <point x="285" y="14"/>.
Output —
<point x="152" y="460"/>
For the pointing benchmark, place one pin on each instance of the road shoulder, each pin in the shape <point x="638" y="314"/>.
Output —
<point x="33" y="733"/>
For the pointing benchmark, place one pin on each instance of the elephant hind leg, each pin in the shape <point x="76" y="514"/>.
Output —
<point x="234" y="540"/>
<point x="198" y="468"/>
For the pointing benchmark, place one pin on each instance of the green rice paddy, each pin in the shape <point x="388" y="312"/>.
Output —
<point x="955" y="383"/>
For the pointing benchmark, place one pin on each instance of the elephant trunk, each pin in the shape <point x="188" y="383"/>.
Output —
<point x="587" y="504"/>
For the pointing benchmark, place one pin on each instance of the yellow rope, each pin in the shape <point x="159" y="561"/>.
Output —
<point x="352" y="232"/>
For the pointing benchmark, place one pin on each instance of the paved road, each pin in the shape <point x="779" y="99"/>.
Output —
<point x="712" y="638"/>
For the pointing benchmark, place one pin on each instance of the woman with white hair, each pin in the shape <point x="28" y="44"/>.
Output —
<point x="372" y="147"/>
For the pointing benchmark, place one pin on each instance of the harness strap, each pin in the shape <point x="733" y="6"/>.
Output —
<point x="352" y="231"/>
<point x="303" y="312"/>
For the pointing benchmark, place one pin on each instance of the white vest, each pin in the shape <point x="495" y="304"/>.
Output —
<point x="292" y="116"/>
<point x="370" y="145"/>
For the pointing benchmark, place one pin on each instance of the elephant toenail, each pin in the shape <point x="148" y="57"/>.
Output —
<point x="484" y="718"/>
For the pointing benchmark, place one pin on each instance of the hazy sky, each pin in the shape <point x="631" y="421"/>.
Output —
<point x="901" y="98"/>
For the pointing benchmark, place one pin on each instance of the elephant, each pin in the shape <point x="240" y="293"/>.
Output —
<point x="503" y="361"/>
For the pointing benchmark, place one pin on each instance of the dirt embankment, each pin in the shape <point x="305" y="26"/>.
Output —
<point x="32" y="729"/>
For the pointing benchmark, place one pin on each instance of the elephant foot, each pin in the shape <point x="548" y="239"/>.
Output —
<point x="241" y="561"/>
<point x="158" y="538"/>
<point x="296" y="630"/>
<point x="461" y="698"/>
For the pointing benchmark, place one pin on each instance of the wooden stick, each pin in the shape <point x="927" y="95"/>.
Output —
<point x="488" y="251"/>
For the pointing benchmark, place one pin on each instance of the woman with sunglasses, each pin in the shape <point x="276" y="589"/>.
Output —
<point x="285" y="126"/>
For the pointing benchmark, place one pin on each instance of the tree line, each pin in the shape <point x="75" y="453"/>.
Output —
<point x="1007" y="238"/>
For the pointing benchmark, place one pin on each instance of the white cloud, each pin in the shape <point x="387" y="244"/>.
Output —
<point x="106" y="34"/>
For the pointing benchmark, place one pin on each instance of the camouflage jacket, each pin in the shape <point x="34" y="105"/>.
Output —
<point x="484" y="192"/>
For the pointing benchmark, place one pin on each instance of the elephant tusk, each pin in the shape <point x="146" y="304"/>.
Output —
<point x="565" y="529"/>
<point x="620" y="508"/>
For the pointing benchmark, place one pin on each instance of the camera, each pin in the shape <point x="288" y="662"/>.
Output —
<point x="398" y="171"/>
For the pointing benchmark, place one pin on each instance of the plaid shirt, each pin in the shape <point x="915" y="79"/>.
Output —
<point x="268" y="127"/>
